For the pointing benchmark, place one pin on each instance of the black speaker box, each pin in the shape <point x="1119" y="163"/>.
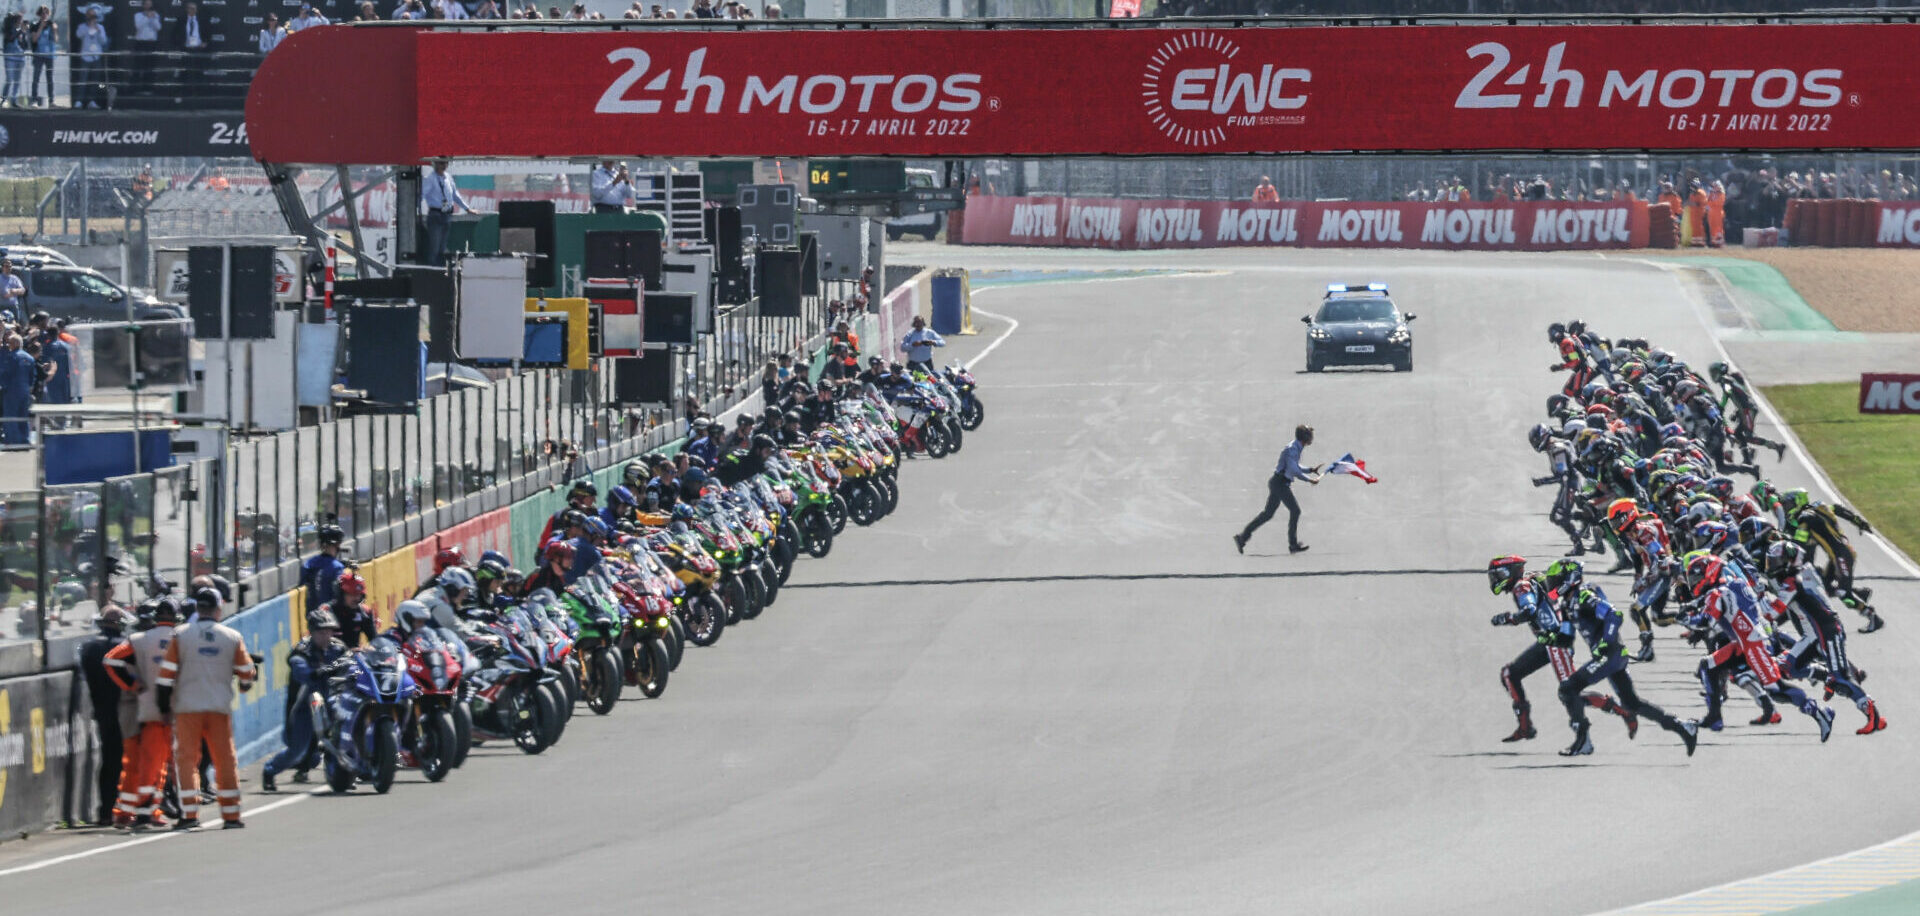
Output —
<point x="432" y="289"/>
<point x="397" y="288"/>
<point x="536" y="215"/>
<point x="383" y="352"/>
<point x="809" y="263"/>
<point x="625" y="254"/>
<point x="727" y="240"/>
<point x="205" y="264"/>
<point x="643" y="379"/>
<point x="778" y="282"/>
<point x="668" y="319"/>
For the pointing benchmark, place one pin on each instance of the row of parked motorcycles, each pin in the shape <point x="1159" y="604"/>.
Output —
<point x="518" y="664"/>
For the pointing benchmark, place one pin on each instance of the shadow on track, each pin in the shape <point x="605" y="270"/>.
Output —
<point x="1140" y="577"/>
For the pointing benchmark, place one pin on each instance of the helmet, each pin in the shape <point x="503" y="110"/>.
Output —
<point x="412" y="615"/>
<point x="448" y="557"/>
<point x="1576" y="327"/>
<point x="583" y="487"/>
<point x="1756" y="531"/>
<point x="1555" y="331"/>
<point x="1794" y="499"/>
<point x="456" y="577"/>
<point x="1672" y="431"/>
<point x="1764" y="494"/>
<point x="695" y="476"/>
<point x="114" y="620"/>
<point x="1707" y="509"/>
<point x="1686" y="389"/>
<point x="350" y="585"/>
<point x="1538" y="437"/>
<point x="561" y="551"/>
<point x="330" y="534"/>
<point x="1596" y="421"/>
<point x="635" y="473"/>
<point x="1712" y="535"/>
<point x="1703" y="570"/>
<point x="1555" y="404"/>
<point x="597" y="529"/>
<point x="322" y="619"/>
<point x="574" y="518"/>
<point x="1633" y="370"/>
<point x="764" y="441"/>
<point x="1784" y="559"/>
<point x="1589" y="391"/>
<point x="793" y="416"/>
<point x="1600" y="410"/>
<point x="495" y="556"/>
<point x="160" y="610"/>
<point x="489" y="569"/>
<point x="1717" y="370"/>
<point x="1565" y="575"/>
<point x="621" y="496"/>
<point x="682" y="512"/>
<point x="1503" y="573"/>
<point x="1621" y="514"/>
<point x="1721" y="486"/>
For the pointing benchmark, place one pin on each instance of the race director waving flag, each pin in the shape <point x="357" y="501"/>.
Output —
<point x="1347" y="464"/>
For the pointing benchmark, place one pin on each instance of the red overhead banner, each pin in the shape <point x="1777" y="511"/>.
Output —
<point x="1079" y="222"/>
<point x="400" y="94"/>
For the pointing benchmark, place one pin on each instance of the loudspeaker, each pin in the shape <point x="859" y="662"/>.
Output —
<point x="398" y="288"/>
<point x="726" y="240"/>
<point x="250" y="293"/>
<point x="809" y="263"/>
<point x="624" y="254"/>
<point x="536" y="215"/>
<point x="432" y="289"/>
<point x="779" y="282"/>
<point x="205" y="267"/>
<point x="668" y="319"/>
<point x="383" y="353"/>
<point x="643" y="379"/>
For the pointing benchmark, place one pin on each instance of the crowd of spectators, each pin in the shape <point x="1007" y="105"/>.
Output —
<point x="1343" y="8"/>
<point x="36" y="360"/>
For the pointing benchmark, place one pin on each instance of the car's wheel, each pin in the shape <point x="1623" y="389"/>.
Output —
<point x="1313" y="365"/>
<point x="1403" y="364"/>
<point x="894" y="233"/>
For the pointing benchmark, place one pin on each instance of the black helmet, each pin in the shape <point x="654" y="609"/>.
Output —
<point x="764" y="441"/>
<point x="321" y="619"/>
<point x="1539" y="436"/>
<point x="1576" y="327"/>
<point x="635" y="473"/>
<point x="574" y="518"/>
<point x="1503" y="573"/>
<point x="330" y="534"/>
<point x="1555" y="404"/>
<point x="1555" y="331"/>
<point x="583" y="486"/>
<point x="793" y="416"/>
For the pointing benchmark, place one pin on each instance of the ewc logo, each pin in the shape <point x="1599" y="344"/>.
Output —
<point x="1196" y="87"/>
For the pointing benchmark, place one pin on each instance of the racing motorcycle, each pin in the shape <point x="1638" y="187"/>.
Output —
<point x="430" y="737"/>
<point x="645" y="644"/>
<point x="359" y="728"/>
<point x="601" y="625"/>
<point x="697" y="606"/>
<point x="972" y="412"/>
<point x="508" y="698"/>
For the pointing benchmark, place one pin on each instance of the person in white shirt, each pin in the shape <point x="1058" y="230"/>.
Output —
<point x="439" y="197"/>
<point x="308" y="18"/>
<point x="612" y="190"/>
<point x="146" y="46"/>
<point x="412" y="9"/>
<point x="89" y="71"/>
<point x="451" y="9"/>
<point x="271" y="35"/>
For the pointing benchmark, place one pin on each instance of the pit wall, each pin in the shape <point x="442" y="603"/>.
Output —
<point x="1080" y="222"/>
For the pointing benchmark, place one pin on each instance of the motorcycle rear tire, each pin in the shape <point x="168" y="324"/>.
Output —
<point x="676" y="642"/>
<point x="972" y="414"/>
<point x="707" y="619"/>
<point x="386" y="754"/>
<point x="837" y="513"/>
<point x="339" y="778"/>
<point x="438" y="740"/>
<point x="652" y="659"/>
<point x="462" y="733"/>
<point x="604" y="682"/>
<point x="558" y="695"/>
<point x="936" y="439"/>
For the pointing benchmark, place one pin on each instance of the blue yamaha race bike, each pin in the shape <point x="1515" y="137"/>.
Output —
<point x="358" y="725"/>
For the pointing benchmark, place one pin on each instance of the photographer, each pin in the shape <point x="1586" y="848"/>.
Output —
<point x="612" y="188"/>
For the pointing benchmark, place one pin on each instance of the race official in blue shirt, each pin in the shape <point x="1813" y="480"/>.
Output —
<point x="439" y="198"/>
<point x="919" y="344"/>
<point x="1280" y="492"/>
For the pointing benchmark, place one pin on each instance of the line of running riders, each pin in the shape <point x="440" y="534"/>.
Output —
<point x="1642" y="456"/>
<point x="682" y="549"/>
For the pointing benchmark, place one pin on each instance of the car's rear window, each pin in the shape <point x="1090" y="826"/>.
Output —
<point x="1356" y="310"/>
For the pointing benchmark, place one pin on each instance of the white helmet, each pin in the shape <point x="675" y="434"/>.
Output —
<point x="412" y="615"/>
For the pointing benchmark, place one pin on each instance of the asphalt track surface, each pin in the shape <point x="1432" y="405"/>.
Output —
<point x="1048" y="684"/>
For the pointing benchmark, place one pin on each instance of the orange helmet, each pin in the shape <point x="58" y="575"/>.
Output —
<point x="1622" y="513"/>
<point x="350" y="585"/>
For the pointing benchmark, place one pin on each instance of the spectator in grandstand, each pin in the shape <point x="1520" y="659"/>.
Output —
<point x="772" y="11"/>
<point x="89" y="68"/>
<point x="190" y="38"/>
<point x="145" y="45"/>
<point x="702" y="9"/>
<point x="410" y="10"/>
<point x="488" y="10"/>
<point x="44" y="37"/>
<point x="1265" y="192"/>
<point x="13" y="43"/>
<point x="450" y="9"/>
<point x="271" y="34"/>
<point x="307" y="18"/>
<point x="366" y="13"/>
<point x="439" y="197"/>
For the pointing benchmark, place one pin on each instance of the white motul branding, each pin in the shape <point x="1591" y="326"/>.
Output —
<point x="1468" y="227"/>
<point x="1093" y="224"/>
<point x="1571" y="227"/>
<point x="1258" y="224"/>
<point x="1034" y="221"/>
<point x="813" y="94"/>
<point x="1154" y="225"/>
<point x="1888" y="396"/>
<point x="1899" y="226"/>
<point x="1378" y="225"/>
<point x="1555" y="83"/>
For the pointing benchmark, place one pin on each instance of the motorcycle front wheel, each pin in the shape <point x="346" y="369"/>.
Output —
<point x="462" y="732"/>
<point x="706" y="619"/>
<point x="819" y="533"/>
<point x="837" y="513"/>
<point x="733" y="596"/>
<point x="936" y="438"/>
<point x="972" y="414"/>
<point x="677" y="643"/>
<point x="386" y="754"/>
<point x="435" y="749"/>
<point x="604" y="682"/>
<point x="533" y="718"/>
<point x="770" y="579"/>
<point x="651" y="657"/>
<point x="863" y="505"/>
<point x="756" y="592"/>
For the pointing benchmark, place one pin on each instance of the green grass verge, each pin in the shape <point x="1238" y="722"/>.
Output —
<point x="1873" y="459"/>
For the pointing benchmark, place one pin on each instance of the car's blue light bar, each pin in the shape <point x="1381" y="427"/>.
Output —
<point x="1356" y="287"/>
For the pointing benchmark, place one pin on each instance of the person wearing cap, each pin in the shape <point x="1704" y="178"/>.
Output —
<point x="692" y="482"/>
<point x="840" y="366"/>
<point x="321" y="647"/>
<point x="919" y="344"/>
<point x="136" y="668"/>
<point x="197" y="675"/>
<point x="707" y="446"/>
<point x="110" y="705"/>
<point x="322" y="571"/>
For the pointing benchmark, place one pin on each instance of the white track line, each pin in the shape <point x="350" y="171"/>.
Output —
<point x="129" y="844"/>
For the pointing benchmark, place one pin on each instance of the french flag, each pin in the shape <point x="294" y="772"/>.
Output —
<point x="1347" y="464"/>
